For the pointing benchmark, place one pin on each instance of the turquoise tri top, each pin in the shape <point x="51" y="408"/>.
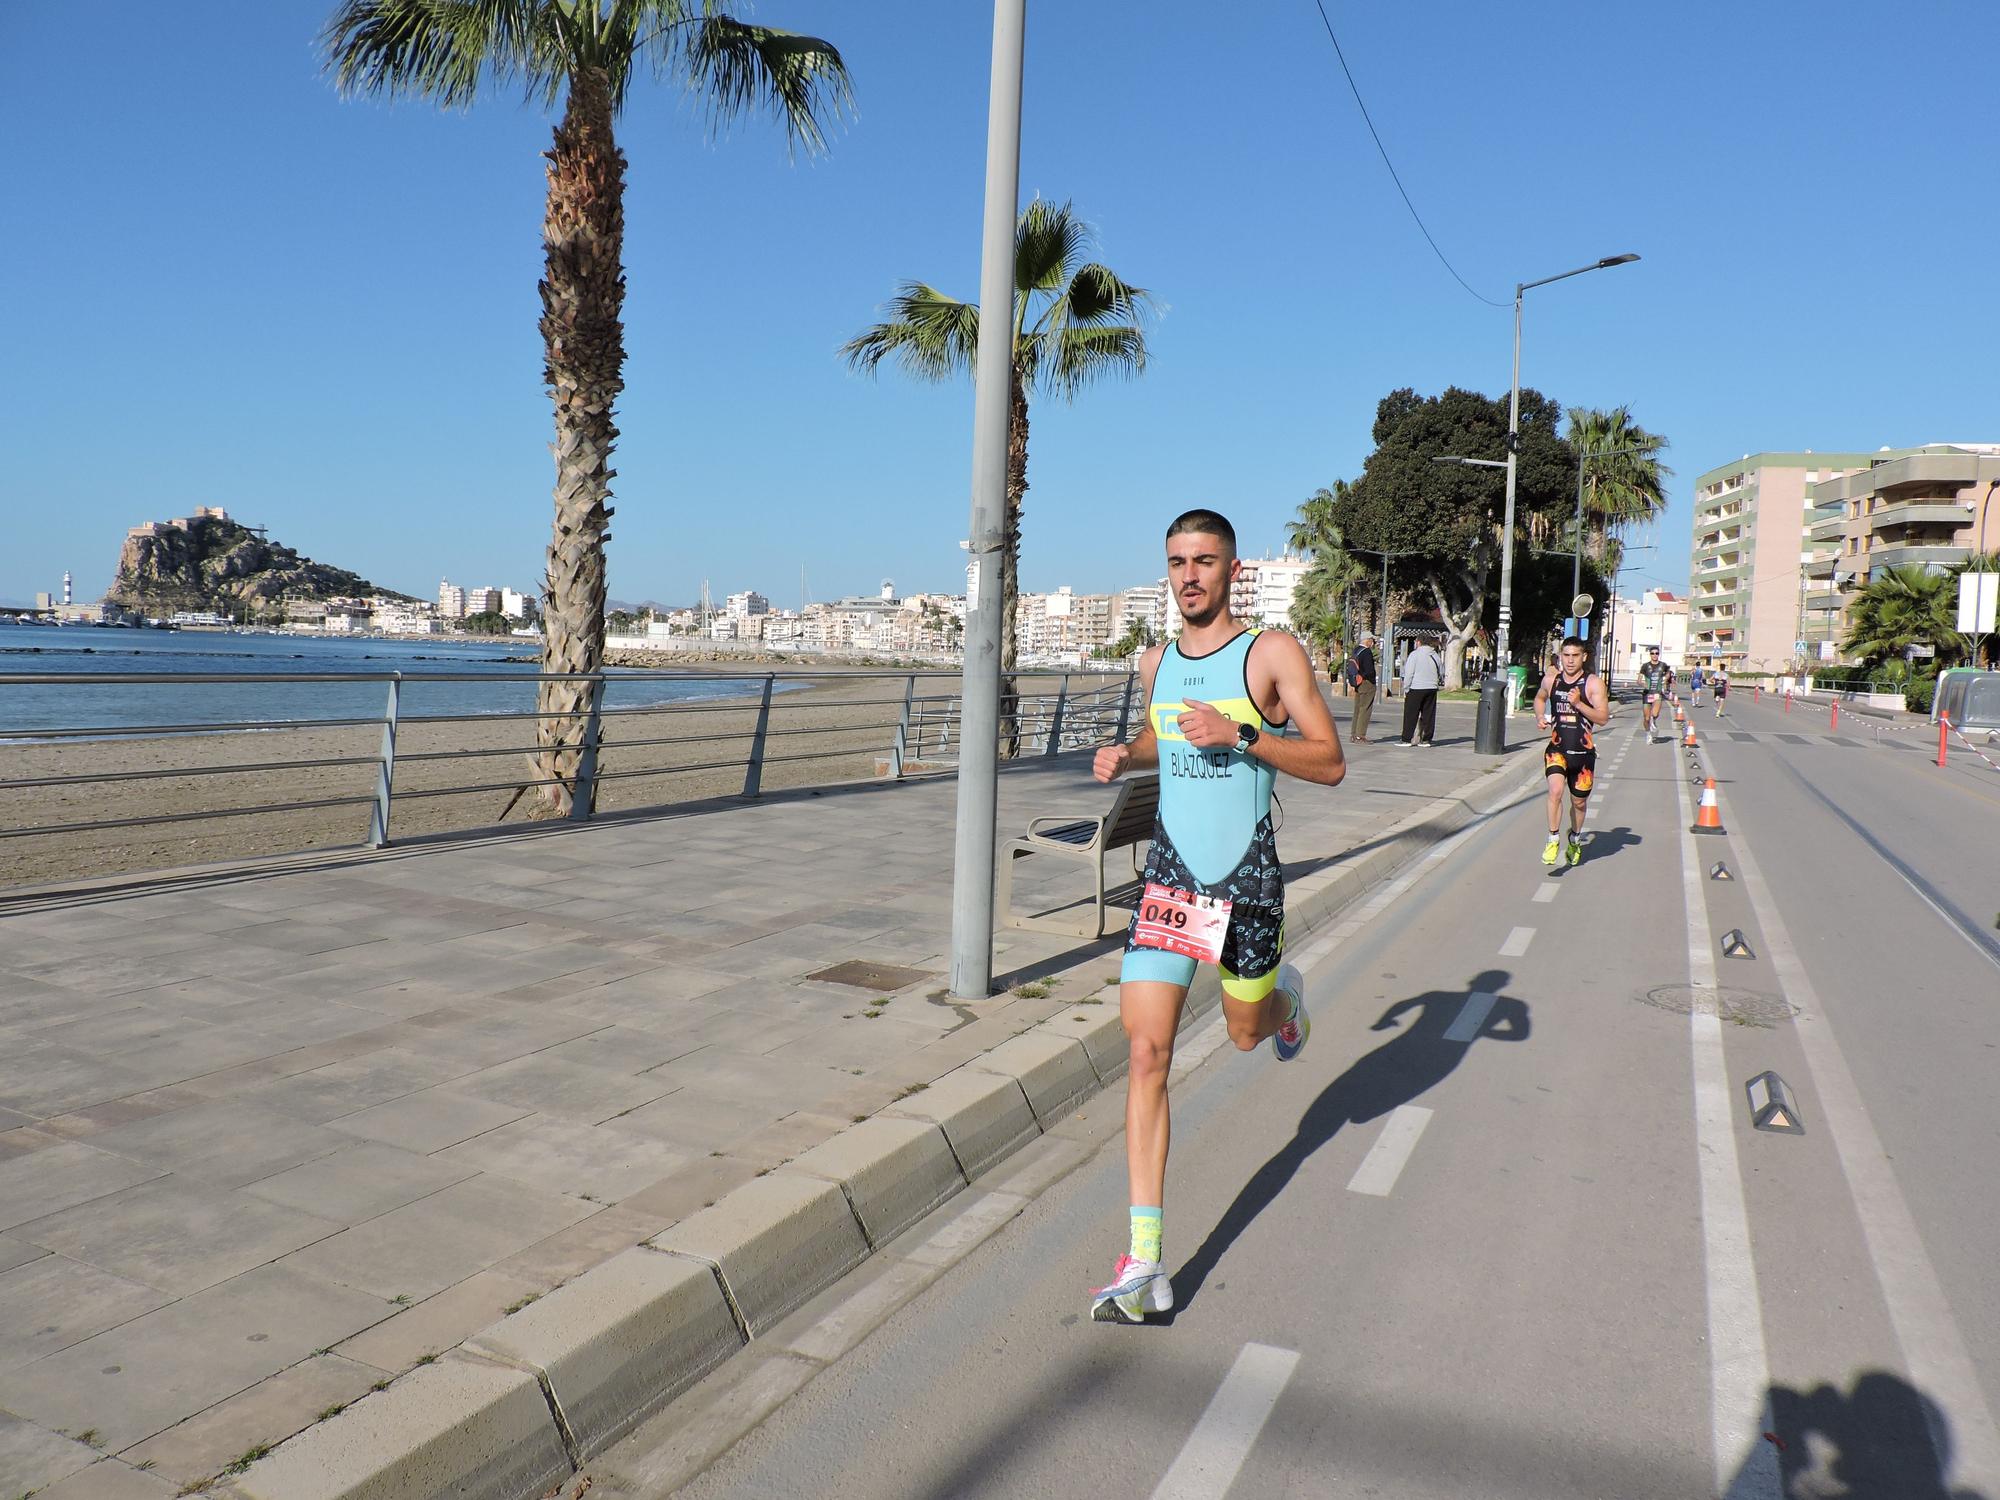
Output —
<point x="1214" y="802"/>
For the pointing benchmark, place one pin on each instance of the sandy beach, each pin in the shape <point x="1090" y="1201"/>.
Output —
<point x="829" y="729"/>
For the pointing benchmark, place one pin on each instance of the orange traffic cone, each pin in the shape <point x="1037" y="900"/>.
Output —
<point x="1708" y="817"/>
<point x="1689" y="740"/>
<point x="1679" y="717"/>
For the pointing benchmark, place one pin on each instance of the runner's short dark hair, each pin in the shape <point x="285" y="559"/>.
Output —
<point x="1574" y="640"/>
<point x="1205" y="522"/>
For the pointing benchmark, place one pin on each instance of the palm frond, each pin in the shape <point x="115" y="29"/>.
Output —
<point x="1061" y="364"/>
<point x="930" y="335"/>
<point x="439" y="49"/>
<point x="1049" y="241"/>
<point x="738" y="68"/>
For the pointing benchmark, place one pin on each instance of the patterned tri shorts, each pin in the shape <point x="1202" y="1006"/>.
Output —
<point x="1576" y="767"/>
<point x="1252" y="944"/>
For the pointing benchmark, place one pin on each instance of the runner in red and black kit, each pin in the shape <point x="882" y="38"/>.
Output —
<point x="1571" y="702"/>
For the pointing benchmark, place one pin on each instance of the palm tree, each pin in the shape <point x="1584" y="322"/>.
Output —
<point x="1903" y="606"/>
<point x="1319" y="611"/>
<point x="1074" y="322"/>
<point x="584" y="53"/>
<point x="1622" y="487"/>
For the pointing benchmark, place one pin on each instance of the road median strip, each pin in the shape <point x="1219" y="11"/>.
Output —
<point x="530" y="1399"/>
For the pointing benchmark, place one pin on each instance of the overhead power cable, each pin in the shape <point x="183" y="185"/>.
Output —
<point x="1393" y="174"/>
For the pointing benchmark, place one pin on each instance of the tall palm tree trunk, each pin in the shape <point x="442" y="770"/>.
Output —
<point x="583" y="293"/>
<point x="1010" y="566"/>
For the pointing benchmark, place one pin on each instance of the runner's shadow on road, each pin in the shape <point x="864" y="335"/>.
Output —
<point x="1874" y="1442"/>
<point x="1422" y="1054"/>
<point x="1608" y="841"/>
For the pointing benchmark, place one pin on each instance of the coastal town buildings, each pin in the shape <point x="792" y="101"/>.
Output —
<point x="1783" y="540"/>
<point x="1656" y="618"/>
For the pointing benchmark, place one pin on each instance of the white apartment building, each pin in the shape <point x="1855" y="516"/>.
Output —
<point x="1655" y="618"/>
<point x="1262" y="593"/>
<point x="482" y="602"/>
<point x="451" y="600"/>
<point x="742" y="606"/>
<point x="516" y="605"/>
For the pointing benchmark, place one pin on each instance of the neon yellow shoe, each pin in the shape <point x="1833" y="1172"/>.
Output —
<point x="1552" y="851"/>
<point x="1576" y="851"/>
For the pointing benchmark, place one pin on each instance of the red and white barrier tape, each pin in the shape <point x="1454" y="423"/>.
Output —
<point x="1991" y="763"/>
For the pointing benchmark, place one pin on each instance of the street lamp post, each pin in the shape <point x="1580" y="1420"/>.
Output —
<point x="979" y="747"/>
<point x="1501" y="646"/>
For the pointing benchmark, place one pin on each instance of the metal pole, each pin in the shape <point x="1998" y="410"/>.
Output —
<point x="1576" y="557"/>
<point x="753" y="774"/>
<point x="902" y="746"/>
<point x="583" y="793"/>
<point x="1504" y="641"/>
<point x="1125" y="707"/>
<point x="1385" y="643"/>
<point x="978" y="763"/>
<point x="385" y="778"/>
<point x="1055" y="729"/>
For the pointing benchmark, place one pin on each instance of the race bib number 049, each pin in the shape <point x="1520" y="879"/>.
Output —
<point x="1182" y="922"/>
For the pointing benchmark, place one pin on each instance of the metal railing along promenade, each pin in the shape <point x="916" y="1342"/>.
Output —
<point x="908" y="721"/>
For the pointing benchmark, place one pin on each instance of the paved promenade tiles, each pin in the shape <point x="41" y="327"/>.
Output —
<point x="270" y="1136"/>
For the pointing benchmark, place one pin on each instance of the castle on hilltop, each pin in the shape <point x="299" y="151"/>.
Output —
<point x="183" y="523"/>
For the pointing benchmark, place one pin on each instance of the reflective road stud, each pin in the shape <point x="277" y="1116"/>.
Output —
<point x="1734" y="944"/>
<point x="1720" y="872"/>
<point x="1771" y="1105"/>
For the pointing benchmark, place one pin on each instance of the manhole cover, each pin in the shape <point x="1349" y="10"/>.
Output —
<point x="866" y="976"/>
<point x="1744" y="1007"/>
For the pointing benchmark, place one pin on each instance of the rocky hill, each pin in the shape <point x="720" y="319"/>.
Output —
<point x="210" y="562"/>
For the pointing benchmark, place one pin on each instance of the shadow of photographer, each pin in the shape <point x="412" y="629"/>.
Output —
<point x="1883" y="1439"/>
<point x="1437" y="1028"/>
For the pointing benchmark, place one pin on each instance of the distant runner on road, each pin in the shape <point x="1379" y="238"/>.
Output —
<point x="1218" y="700"/>
<point x="1720" y="680"/>
<point x="1570" y="702"/>
<point x="1656" y="680"/>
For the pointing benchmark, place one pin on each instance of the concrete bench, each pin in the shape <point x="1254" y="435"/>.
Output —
<point x="1128" y="824"/>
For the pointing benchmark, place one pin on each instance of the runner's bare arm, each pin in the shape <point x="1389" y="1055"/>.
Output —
<point x="1595" y="706"/>
<point x="1142" y="751"/>
<point x="1315" y="754"/>
<point x="1542" y="699"/>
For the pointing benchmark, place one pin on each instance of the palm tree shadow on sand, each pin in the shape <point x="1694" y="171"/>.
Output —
<point x="1882" y="1440"/>
<point x="1421" y="1055"/>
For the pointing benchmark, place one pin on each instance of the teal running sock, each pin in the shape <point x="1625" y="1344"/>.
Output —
<point x="1147" y="1228"/>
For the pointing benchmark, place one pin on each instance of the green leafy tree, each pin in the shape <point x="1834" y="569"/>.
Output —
<point x="1074" y="322"/>
<point x="1137" y="637"/>
<point x="491" y="622"/>
<point x="583" y="54"/>
<point x="1448" y="517"/>
<point x="1903" y="606"/>
<point x="1319" y="603"/>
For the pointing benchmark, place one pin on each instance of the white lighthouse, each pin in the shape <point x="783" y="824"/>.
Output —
<point x="68" y="597"/>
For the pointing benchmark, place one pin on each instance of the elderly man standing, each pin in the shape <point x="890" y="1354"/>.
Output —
<point x="1423" y="675"/>
<point x="1364" y="688"/>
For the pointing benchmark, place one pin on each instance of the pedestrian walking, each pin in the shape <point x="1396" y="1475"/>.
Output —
<point x="1423" y="675"/>
<point x="1220" y="699"/>
<point x="1362" y="680"/>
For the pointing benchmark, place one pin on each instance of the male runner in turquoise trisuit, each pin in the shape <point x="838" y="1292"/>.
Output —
<point x="1219" y="698"/>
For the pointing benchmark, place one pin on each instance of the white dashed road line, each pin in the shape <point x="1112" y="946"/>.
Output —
<point x="1214" y="1452"/>
<point x="1471" y="1016"/>
<point x="1384" y="1163"/>
<point x="1738" y="1368"/>
<point x="1517" y="942"/>
<point x="1546" y="891"/>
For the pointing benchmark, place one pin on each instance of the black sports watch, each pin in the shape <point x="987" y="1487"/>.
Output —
<point x="1246" y="736"/>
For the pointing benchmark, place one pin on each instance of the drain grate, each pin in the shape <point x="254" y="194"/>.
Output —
<point x="872" y="976"/>
<point x="1745" y="1007"/>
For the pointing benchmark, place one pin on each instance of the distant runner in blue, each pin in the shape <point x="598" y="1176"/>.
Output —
<point x="1220" y="698"/>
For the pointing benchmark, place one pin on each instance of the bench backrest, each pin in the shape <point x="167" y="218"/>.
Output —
<point x="1134" y="813"/>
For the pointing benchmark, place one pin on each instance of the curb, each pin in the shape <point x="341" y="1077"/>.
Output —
<point x="529" y="1400"/>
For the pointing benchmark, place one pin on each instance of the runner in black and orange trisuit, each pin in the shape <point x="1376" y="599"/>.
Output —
<point x="1570" y="702"/>
<point x="1656" y="679"/>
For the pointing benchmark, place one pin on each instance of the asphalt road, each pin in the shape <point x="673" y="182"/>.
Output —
<point x="1504" y="1229"/>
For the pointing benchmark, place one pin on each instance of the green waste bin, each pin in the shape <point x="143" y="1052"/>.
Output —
<point x="1517" y="686"/>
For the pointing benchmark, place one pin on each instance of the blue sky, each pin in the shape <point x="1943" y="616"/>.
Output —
<point x="229" y="286"/>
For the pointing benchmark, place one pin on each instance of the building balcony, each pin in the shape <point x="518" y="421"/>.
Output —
<point x="1828" y="530"/>
<point x="1823" y="566"/>
<point x="1929" y="553"/>
<point x="1952" y="513"/>
<point x="1930" y="470"/>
